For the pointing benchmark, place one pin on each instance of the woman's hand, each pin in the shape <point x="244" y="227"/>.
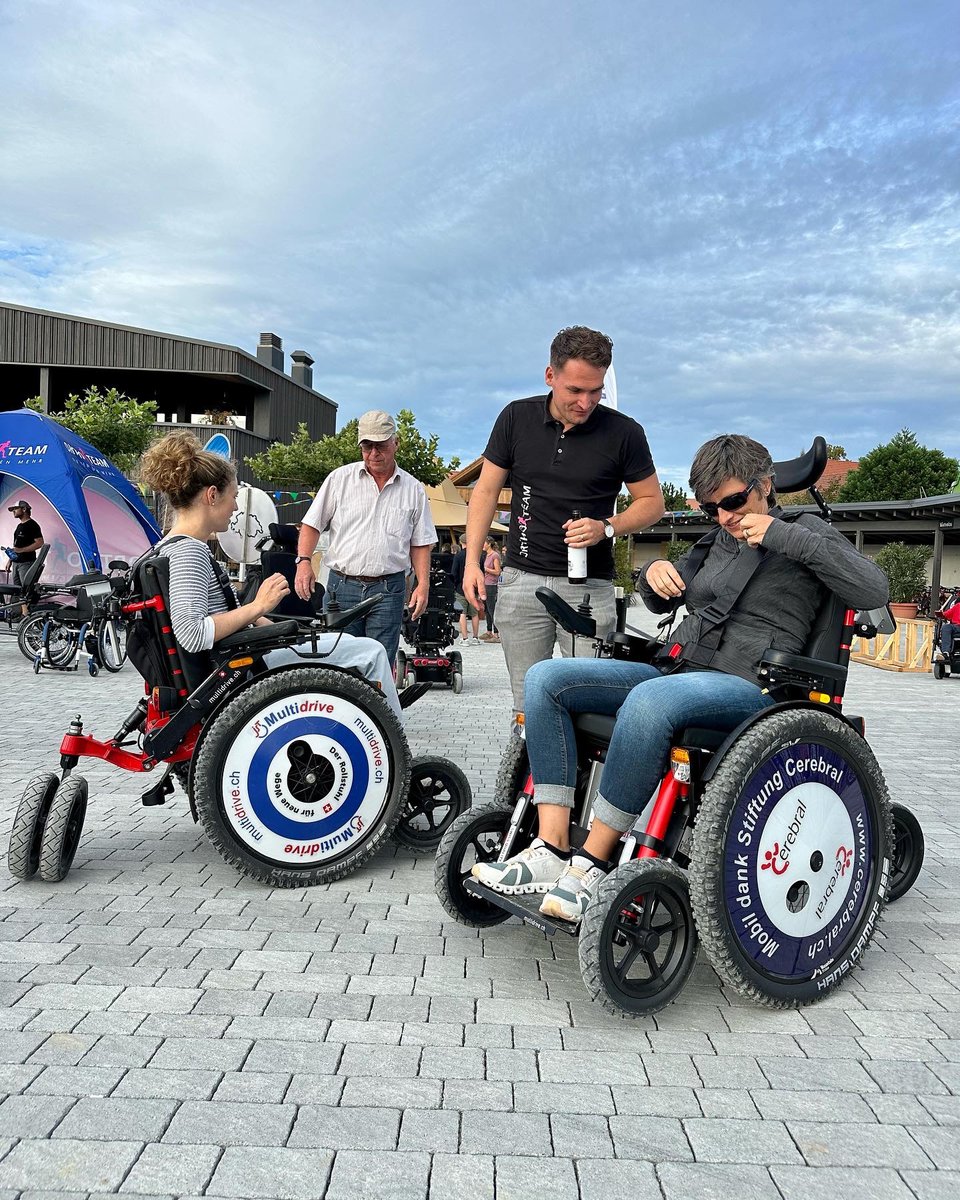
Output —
<point x="270" y="593"/>
<point x="753" y="526"/>
<point x="662" y="576"/>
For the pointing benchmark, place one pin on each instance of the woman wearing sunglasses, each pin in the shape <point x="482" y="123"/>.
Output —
<point x="713" y="686"/>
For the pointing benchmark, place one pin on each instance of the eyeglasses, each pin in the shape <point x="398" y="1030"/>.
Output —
<point x="729" y="503"/>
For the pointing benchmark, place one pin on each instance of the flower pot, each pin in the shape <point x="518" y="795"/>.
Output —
<point x="904" y="612"/>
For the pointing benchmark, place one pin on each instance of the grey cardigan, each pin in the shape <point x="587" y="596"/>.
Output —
<point x="802" y="561"/>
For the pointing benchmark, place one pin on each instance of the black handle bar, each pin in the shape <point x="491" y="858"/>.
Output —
<point x="565" y="615"/>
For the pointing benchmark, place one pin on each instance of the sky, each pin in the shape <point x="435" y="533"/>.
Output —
<point x="757" y="201"/>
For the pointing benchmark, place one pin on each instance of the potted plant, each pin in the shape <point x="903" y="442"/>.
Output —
<point x="906" y="569"/>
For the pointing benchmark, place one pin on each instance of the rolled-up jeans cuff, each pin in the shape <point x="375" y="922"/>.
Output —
<point x="616" y="818"/>
<point x="554" y="793"/>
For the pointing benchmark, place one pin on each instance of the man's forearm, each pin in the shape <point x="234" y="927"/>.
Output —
<point x="307" y="541"/>
<point x="483" y="505"/>
<point x="639" y="514"/>
<point x="420" y="561"/>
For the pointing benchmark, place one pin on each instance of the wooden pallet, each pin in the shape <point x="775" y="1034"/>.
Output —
<point x="908" y="648"/>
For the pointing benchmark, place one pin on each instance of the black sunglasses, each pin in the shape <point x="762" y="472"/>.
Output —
<point x="729" y="503"/>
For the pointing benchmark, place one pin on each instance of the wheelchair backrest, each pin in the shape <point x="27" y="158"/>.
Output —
<point x="151" y="646"/>
<point x="823" y="640"/>
<point x="32" y="575"/>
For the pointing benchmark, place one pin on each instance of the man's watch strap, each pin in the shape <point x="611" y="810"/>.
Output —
<point x="304" y="558"/>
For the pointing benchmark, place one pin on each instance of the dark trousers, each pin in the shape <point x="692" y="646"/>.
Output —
<point x="491" y="590"/>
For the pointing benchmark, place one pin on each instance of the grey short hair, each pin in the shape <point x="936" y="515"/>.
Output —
<point x="729" y="456"/>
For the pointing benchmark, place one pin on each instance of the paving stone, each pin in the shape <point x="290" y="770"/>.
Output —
<point x="218" y="1124"/>
<point x="272" y="1173"/>
<point x="718" y="1140"/>
<point x="402" y="1175"/>
<point x="562" y="1097"/>
<point x="164" y="1169"/>
<point x="427" y="1129"/>
<point x="519" y="1178"/>
<point x="155" y="1083"/>
<point x="812" y="1106"/>
<point x="808" y="1183"/>
<point x="515" y="1133"/>
<point x="716" y="1181"/>
<point x="581" y="1136"/>
<point x="942" y="1147"/>
<point x="76" y="1081"/>
<point x="369" y="1092"/>
<point x="198" y="1054"/>
<point x="725" y="1102"/>
<point x="603" y="1179"/>
<point x="929" y="1185"/>
<point x="839" y="1145"/>
<point x="32" y="1116"/>
<point x="456" y="1175"/>
<point x="106" y="1118"/>
<point x="90" y="1166"/>
<point x="487" y="1095"/>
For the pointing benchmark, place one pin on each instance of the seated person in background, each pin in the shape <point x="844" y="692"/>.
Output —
<point x="732" y="477"/>
<point x="949" y="629"/>
<point x="202" y="490"/>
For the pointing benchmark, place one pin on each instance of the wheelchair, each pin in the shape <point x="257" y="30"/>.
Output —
<point x="774" y="844"/>
<point x="55" y="639"/>
<point x="29" y="594"/>
<point x="948" y="665"/>
<point x="431" y="635"/>
<point x="297" y="774"/>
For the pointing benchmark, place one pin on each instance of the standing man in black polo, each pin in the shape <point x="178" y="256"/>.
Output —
<point x="561" y="453"/>
<point x="27" y="540"/>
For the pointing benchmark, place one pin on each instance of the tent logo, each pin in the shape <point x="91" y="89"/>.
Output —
<point x="9" y="450"/>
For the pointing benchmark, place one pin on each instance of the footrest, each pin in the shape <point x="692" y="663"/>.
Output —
<point x="527" y="908"/>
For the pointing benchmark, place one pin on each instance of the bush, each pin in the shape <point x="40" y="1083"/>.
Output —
<point x="905" y="568"/>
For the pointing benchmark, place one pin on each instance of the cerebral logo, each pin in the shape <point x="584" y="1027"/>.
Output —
<point x="773" y="862"/>
<point x="844" y="858"/>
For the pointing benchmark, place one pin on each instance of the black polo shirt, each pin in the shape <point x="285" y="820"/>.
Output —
<point x="553" y="472"/>
<point x="24" y="534"/>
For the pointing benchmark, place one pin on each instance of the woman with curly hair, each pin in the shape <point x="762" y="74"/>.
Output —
<point x="202" y="488"/>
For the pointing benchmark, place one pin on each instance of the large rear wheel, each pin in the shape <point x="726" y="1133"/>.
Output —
<point x="301" y="776"/>
<point x="112" y="644"/>
<point x="791" y="857"/>
<point x="513" y="772"/>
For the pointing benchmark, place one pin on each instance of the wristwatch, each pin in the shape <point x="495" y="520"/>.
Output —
<point x="608" y="529"/>
<point x="304" y="558"/>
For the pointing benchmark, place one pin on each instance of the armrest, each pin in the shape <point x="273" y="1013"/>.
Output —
<point x="256" y="635"/>
<point x="779" y="666"/>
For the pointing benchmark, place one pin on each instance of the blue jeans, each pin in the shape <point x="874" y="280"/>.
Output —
<point x="383" y="622"/>
<point x="948" y="632"/>
<point x="649" y="707"/>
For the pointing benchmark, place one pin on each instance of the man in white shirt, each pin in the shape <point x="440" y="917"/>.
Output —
<point x="380" y="524"/>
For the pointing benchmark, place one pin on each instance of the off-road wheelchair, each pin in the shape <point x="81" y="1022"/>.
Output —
<point x="431" y="635"/>
<point x="297" y="774"/>
<point x="773" y="844"/>
<point x="945" y="665"/>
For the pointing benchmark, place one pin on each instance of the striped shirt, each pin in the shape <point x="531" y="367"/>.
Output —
<point x="195" y="593"/>
<point x="371" y="529"/>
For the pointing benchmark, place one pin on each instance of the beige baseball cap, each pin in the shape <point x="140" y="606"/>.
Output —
<point x="376" y="426"/>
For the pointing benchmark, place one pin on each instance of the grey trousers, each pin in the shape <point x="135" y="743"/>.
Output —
<point x="528" y="634"/>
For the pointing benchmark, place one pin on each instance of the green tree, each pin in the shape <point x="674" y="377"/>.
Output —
<point x="901" y="469"/>
<point x="120" y="427"/>
<point x="677" y="548"/>
<point x="835" y="451"/>
<point x="305" y="463"/>
<point x="674" y="498"/>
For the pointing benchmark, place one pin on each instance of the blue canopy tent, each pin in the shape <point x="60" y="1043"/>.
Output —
<point x="88" y="511"/>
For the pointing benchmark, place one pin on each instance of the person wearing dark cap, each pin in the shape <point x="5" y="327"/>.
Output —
<point x="27" y="540"/>
<point x="379" y="521"/>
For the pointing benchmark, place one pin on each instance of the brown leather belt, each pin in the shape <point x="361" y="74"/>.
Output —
<point x="361" y="578"/>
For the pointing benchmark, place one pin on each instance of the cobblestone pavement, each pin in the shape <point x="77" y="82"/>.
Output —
<point x="171" y="1029"/>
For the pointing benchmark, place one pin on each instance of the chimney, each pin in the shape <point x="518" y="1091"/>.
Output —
<point x="270" y="351"/>
<point x="302" y="369"/>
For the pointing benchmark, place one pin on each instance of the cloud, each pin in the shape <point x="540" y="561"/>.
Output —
<point x="759" y="205"/>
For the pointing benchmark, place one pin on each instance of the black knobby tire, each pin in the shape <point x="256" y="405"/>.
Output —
<point x="23" y="854"/>
<point x="401" y="670"/>
<point x="475" y="836"/>
<point x="62" y="829"/>
<point x="513" y="771"/>
<point x="339" y="773"/>
<point x="439" y="793"/>
<point x="939" y="670"/>
<point x="30" y="636"/>
<point x="908" y="847"/>
<point x="796" y="787"/>
<point x="112" y="644"/>
<point x="638" y="940"/>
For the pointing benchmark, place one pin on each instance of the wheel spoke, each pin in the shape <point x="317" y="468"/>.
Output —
<point x="622" y="968"/>
<point x="655" y="972"/>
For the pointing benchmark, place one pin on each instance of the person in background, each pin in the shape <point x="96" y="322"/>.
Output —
<point x="468" y="611"/>
<point x="27" y="540"/>
<point x="949" y="629"/>
<point x="380" y="524"/>
<point x="492" y="566"/>
<point x="562" y="453"/>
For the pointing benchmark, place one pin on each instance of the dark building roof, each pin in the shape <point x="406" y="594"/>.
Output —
<point x="54" y="354"/>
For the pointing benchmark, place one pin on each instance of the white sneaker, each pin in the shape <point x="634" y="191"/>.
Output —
<point x="464" y="642"/>
<point x="474" y="641"/>
<point x="535" y="869"/>
<point x="938" y="656"/>
<point x="571" y="894"/>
